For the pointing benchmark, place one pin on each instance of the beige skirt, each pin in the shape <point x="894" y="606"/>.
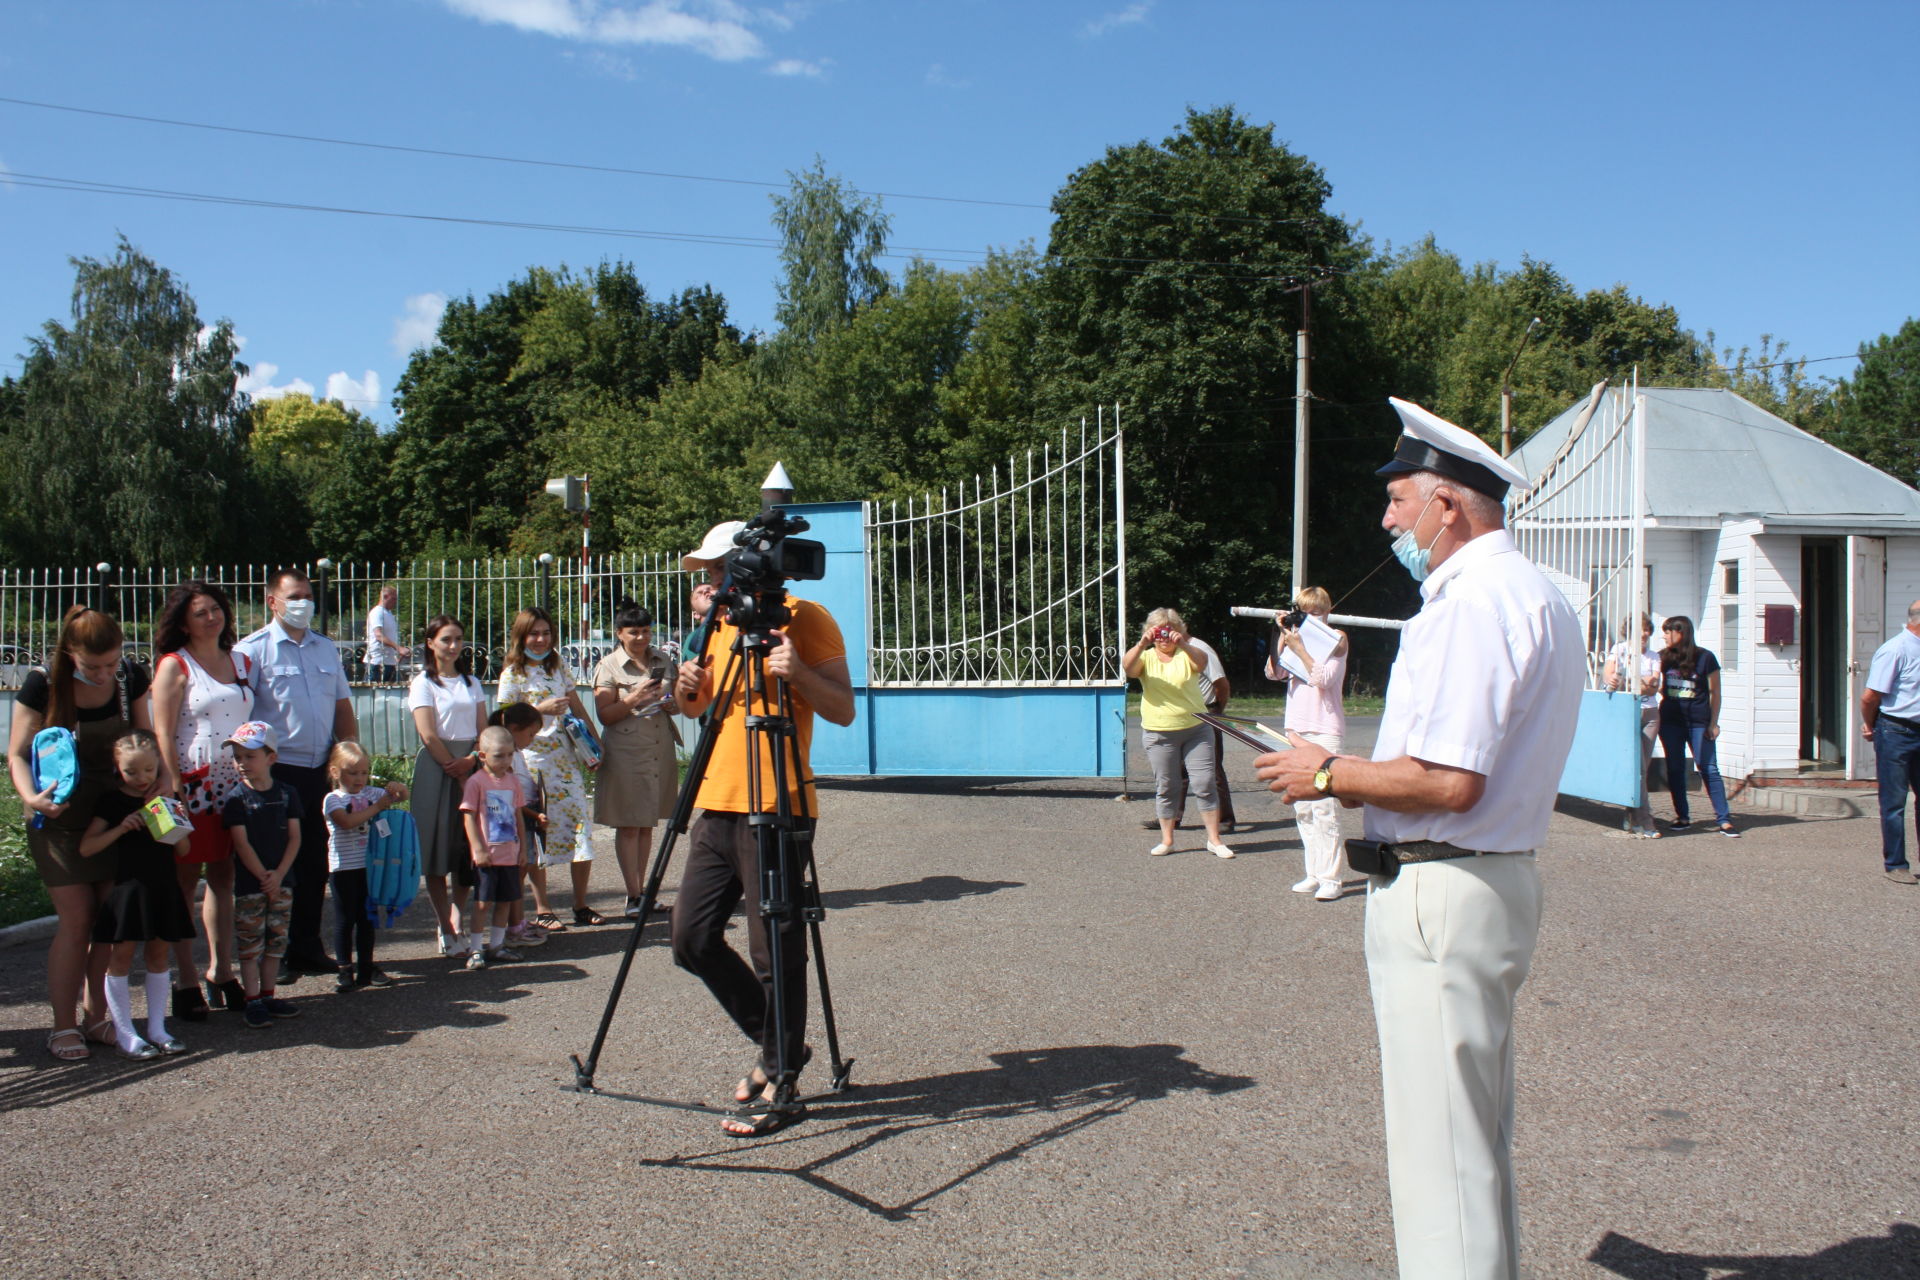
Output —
<point x="635" y="785"/>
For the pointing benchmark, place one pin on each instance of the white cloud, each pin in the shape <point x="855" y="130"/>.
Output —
<point x="717" y="28"/>
<point x="798" y="67"/>
<point x="1127" y="17"/>
<point x="417" y="325"/>
<point x="938" y="78"/>
<point x="363" y="394"/>
<point x="260" y="385"/>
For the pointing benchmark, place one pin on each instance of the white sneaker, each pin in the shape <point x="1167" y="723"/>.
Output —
<point x="1160" y="850"/>
<point x="1329" y="890"/>
<point x="1218" y="850"/>
<point x="1307" y="886"/>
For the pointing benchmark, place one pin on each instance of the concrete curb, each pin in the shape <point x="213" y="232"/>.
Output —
<point x="29" y="931"/>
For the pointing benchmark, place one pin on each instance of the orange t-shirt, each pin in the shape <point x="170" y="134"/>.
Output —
<point x="816" y="636"/>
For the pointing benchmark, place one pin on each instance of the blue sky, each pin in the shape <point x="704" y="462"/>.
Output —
<point x="1754" y="165"/>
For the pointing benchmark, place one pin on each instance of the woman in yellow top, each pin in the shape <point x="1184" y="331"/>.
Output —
<point x="1169" y="667"/>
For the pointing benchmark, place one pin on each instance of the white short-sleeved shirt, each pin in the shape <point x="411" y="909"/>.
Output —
<point x="1621" y="655"/>
<point x="347" y="846"/>
<point x="1488" y="679"/>
<point x="380" y="619"/>
<point x="457" y="704"/>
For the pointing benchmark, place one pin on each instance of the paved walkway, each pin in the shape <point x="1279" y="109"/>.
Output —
<point x="1073" y="1061"/>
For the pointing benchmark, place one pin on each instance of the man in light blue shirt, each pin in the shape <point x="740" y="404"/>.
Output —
<point x="1890" y="719"/>
<point x="300" y="688"/>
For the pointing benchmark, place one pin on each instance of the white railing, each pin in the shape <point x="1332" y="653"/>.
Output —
<point x="1583" y="521"/>
<point x="1015" y="578"/>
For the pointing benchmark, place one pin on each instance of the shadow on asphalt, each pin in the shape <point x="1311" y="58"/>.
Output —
<point x="1081" y="1084"/>
<point x="1894" y="1256"/>
<point x="1609" y="816"/>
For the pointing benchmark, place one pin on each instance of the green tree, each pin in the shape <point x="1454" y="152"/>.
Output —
<point x="1171" y="286"/>
<point x="830" y="238"/>
<point x="495" y="406"/>
<point x="298" y="430"/>
<point x="129" y="438"/>
<point x="1876" y="413"/>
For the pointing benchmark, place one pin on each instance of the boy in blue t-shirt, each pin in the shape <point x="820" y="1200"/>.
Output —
<point x="264" y="817"/>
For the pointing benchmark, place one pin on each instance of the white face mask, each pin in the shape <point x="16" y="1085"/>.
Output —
<point x="297" y="614"/>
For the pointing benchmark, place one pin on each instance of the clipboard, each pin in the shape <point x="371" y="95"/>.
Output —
<point x="1259" y="736"/>
<point x="1320" y="640"/>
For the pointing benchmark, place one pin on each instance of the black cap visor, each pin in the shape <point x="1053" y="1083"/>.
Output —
<point x="1417" y="455"/>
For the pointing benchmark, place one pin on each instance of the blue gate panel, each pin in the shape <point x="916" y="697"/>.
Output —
<point x="1039" y="733"/>
<point x="1605" y="762"/>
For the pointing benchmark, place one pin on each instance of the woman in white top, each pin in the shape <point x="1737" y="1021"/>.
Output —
<point x="535" y="673"/>
<point x="1626" y="675"/>
<point x="449" y="710"/>
<point x="1316" y="712"/>
<point x="202" y="692"/>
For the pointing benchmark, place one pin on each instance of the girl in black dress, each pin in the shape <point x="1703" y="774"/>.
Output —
<point x="144" y="905"/>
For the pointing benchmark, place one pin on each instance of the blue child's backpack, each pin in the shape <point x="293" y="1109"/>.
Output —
<point x="56" y="765"/>
<point x="393" y="866"/>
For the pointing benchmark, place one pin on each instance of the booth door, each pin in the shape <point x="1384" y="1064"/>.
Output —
<point x="1867" y="627"/>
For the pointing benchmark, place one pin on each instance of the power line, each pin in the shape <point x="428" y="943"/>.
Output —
<point x="1293" y="272"/>
<point x="1310" y="220"/>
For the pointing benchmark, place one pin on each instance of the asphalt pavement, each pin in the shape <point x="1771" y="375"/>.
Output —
<point x="1072" y="1060"/>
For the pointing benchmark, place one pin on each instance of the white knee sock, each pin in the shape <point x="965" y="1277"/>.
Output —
<point x="120" y="1005"/>
<point x="159" y="988"/>
<point x="496" y="936"/>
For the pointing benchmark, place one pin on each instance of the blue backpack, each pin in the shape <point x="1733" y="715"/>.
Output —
<point x="55" y="764"/>
<point x="393" y="866"/>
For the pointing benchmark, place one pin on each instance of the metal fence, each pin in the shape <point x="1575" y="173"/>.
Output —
<point x="1583" y="521"/>
<point x="483" y="594"/>
<point x="1017" y="579"/>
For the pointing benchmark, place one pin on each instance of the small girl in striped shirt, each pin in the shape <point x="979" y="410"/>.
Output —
<point x="348" y="808"/>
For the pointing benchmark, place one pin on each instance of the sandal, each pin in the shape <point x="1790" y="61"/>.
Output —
<point x="587" y="915"/>
<point x="77" y="1051"/>
<point x="189" y="1004"/>
<point x="744" y="1091"/>
<point x="231" y="994"/>
<point x="102" y="1032"/>
<point x="550" y="922"/>
<point x="762" y="1118"/>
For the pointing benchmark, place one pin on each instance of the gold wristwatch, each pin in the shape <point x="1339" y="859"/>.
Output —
<point x="1323" y="777"/>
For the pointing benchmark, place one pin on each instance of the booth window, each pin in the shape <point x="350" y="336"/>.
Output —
<point x="1730" y="614"/>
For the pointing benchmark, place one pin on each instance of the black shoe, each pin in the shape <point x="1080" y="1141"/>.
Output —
<point x="374" y="977"/>
<point x="287" y="974"/>
<point x="230" y="995"/>
<point x="318" y="962"/>
<point x="190" y="1003"/>
<point x="343" y="980"/>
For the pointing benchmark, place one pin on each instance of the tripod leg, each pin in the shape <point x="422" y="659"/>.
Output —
<point x="583" y="1072"/>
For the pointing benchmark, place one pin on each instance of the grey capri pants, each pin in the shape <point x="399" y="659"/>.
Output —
<point x="1191" y="749"/>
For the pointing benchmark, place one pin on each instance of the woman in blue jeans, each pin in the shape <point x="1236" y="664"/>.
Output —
<point x="1690" y="721"/>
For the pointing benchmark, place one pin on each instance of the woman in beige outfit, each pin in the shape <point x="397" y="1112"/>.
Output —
<point x="635" y="787"/>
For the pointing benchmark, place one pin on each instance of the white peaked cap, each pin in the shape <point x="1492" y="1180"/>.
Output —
<point x="777" y="479"/>
<point x="1429" y="442"/>
<point x="715" y="546"/>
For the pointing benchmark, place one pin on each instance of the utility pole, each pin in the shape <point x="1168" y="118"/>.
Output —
<point x="1506" y="391"/>
<point x="1302" y="399"/>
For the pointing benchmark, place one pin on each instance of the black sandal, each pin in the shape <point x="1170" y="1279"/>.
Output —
<point x="189" y="1004"/>
<point x="231" y="994"/>
<point x="587" y="915"/>
<point x="763" y="1118"/>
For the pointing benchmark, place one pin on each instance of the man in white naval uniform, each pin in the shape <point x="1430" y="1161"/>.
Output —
<point x="1480" y="714"/>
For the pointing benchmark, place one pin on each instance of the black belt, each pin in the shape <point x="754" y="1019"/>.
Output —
<point x="1910" y="725"/>
<point x="1382" y="858"/>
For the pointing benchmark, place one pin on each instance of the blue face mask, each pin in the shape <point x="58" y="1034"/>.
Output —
<point x="1413" y="557"/>
<point x="537" y="655"/>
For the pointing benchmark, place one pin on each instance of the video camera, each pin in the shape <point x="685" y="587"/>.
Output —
<point x="1288" y="621"/>
<point x="767" y="557"/>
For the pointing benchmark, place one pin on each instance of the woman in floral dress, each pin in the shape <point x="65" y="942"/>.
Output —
<point x="536" y="674"/>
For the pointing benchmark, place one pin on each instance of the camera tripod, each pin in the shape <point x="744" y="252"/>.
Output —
<point x="788" y="881"/>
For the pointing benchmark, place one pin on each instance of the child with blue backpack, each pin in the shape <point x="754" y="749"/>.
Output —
<point x="353" y="810"/>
